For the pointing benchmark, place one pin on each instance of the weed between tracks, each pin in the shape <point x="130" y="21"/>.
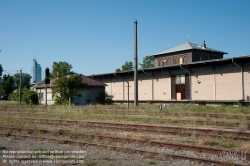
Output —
<point x="188" y="115"/>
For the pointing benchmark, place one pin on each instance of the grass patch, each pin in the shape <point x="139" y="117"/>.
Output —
<point x="151" y="162"/>
<point x="228" y="143"/>
<point x="146" y="138"/>
<point x="212" y="143"/>
<point x="2" y="147"/>
<point x="90" y="162"/>
<point x="39" y="151"/>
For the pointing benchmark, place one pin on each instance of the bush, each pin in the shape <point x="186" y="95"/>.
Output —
<point x="104" y="98"/>
<point x="150" y="102"/>
<point x="28" y="96"/>
<point x="60" y="101"/>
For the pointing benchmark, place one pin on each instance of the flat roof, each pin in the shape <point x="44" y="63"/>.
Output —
<point x="175" y="65"/>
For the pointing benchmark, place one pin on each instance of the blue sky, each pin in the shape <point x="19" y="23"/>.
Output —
<point x="96" y="36"/>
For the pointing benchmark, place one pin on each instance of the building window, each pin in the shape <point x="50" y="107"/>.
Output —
<point x="181" y="60"/>
<point x="179" y="79"/>
<point x="164" y="62"/>
<point x="40" y="96"/>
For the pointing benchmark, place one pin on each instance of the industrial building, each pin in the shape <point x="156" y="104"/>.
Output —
<point x="187" y="72"/>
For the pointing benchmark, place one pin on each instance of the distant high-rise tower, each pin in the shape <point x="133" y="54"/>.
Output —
<point x="37" y="72"/>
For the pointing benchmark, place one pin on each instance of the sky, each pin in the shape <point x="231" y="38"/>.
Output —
<point x="97" y="36"/>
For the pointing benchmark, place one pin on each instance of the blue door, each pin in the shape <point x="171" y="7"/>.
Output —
<point x="79" y="100"/>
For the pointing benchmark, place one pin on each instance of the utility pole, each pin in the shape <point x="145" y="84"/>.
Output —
<point x="20" y="87"/>
<point x="135" y="66"/>
<point x="47" y="81"/>
<point x="46" y="95"/>
<point x="0" y="86"/>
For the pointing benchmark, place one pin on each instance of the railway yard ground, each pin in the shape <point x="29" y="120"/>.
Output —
<point x="112" y="135"/>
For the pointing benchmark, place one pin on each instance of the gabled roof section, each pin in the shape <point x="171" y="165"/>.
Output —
<point x="188" y="46"/>
<point x="88" y="81"/>
<point x="91" y="82"/>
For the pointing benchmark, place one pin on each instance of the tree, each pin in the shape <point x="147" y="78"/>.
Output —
<point x="65" y="88"/>
<point x="1" y="70"/>
<point x="127" y="66"/>
<point x="117" y="70"/>
<point x="25" y="80"/>
<point x="7" y="84"/>
<point x="148" y="62"/>
<point x="61" y="68"/>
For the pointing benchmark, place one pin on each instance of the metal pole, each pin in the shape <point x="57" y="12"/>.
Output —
<point x="128" y="95"/>
<point x="20" y="87"/>
<point x="45" y="94"/>
<point x="135" y="66"/>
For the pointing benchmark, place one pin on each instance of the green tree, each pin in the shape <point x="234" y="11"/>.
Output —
<point x="148" y="62"/>
<point x="127" y="66"/>
<point x="117" y="70"/>
<point x="66" y="87"/>
<point x="25" y="80"/>
<point x="7" y="84"/>
<point x="61" y="69"/>
<point x="1" y="70"/>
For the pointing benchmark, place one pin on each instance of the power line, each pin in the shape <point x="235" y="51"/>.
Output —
<point x="7" y="72"/>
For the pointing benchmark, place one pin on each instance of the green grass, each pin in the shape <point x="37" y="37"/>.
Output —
<point x="2" y="147"/>
<point x="39" y="151"/>
<point x="212" y="143"/>
<point x="90" y="162"/>
<point x="151" y="162"/>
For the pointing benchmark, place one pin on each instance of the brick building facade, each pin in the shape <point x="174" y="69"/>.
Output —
<point x="187" y="53"/>
<point x="210" y="79"/>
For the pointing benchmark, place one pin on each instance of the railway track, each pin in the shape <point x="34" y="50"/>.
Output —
<point x="156" y="113"/>
<point x="156" y="120"/>
<point x="177" y="147"/>
<point x="159" y="129"/>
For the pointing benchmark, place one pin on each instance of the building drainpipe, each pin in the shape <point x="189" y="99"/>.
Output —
<point x="123" y="88"/>
<point x="119" y="77"/>
<point x="111" y="86"/>
<point x="214" y="85"/>
<point x="152" y="83"/>
<point x="189" y="81"/>
<point x="242" y="78"/>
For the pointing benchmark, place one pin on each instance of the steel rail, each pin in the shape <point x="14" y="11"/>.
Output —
<point x="146" y="127"/>
<point x="123" y="149"/>
<point x="216" y="151"/>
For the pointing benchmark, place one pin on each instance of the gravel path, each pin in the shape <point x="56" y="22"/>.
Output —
<point x="93" y="156"/>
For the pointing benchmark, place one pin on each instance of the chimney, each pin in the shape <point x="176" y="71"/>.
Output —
<point x="204" y="44"/>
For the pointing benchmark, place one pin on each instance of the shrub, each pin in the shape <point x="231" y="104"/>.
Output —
<point x="104" y="98"/>
<point x="150" y="102"/>
<point x="28" y="96"/>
